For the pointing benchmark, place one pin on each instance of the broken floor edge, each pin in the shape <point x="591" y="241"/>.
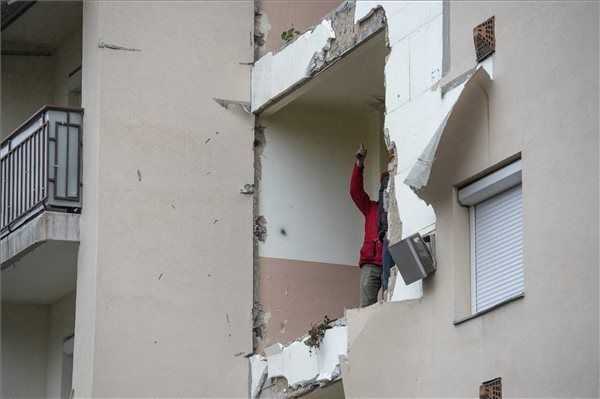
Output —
<point x="321" y="60"/>
<point x="303" y="368"/>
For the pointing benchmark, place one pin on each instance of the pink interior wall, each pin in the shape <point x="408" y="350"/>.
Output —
<point x="295" y="294"/>
<point x="300" y="14"/>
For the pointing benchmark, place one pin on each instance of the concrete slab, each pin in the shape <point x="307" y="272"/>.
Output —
<point x="48" y="226"/>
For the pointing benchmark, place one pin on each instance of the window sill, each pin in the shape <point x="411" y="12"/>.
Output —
<point x="496" y="306"/>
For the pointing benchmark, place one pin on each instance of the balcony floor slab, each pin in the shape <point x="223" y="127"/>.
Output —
<point x="48" y="226"/>
<point x="39" y="259"/>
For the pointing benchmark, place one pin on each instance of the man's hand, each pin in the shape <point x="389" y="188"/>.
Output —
<point x="360" y="155"/>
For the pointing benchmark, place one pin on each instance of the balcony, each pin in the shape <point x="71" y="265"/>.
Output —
<point x="40" y="167"/>
<point x="40" y="201"/>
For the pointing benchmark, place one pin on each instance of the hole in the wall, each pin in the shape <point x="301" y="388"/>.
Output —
<point x="305" y="180"/>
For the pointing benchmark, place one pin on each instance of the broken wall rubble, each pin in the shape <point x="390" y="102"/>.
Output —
<point x="303" y="368"/>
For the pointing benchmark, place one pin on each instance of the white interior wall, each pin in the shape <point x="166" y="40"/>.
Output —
<point x="29" y="82"/>
<point x="306" y="167"/>
<point x="24" y="350"/>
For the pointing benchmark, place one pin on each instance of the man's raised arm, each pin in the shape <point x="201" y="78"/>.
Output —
<point x="357" y="190"/>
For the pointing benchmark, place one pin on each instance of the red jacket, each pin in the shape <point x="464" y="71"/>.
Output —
<point x="372" y="248"/>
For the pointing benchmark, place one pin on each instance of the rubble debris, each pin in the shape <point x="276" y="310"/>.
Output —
<point x="317" y="332"/>
<point x="260" y="229"/>
<point x="296" y="369"/>
<point x="258" y="324"/>
<point x="290" y="34"/>
<point x="270" y="79"/>
<point x="248" y="189"/>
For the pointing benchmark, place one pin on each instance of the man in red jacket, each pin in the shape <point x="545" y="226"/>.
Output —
<point x="371" y="251"/>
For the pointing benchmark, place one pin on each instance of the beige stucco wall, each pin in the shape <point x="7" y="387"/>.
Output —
<point x="164" y="294"/>
<point x="543" y="104"/>
<point x="29" y="82"/>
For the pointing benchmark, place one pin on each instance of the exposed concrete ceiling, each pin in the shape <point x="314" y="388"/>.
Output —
<point x="43" y="275"/>
<point x="42" y="27"/>
<point x="355" y="82"/>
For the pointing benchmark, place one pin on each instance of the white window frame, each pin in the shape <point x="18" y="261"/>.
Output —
<point x="482" y="189"/>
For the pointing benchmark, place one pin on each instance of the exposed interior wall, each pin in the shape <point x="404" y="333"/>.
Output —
<point x="553" y="123"/>
<point x="297" y="294"/>
<point x="24" y="350"/>
<point x="164" y="308"/>
<point x="314" y="231"/>
<point x="30" y="82"/>
<point x="304" y="190"/>
<point x="277" y="16"/>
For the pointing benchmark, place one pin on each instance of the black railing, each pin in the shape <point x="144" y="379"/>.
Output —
<point x="40" y="167"/>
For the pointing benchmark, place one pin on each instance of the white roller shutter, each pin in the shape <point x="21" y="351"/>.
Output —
<point x="498" y="248"/>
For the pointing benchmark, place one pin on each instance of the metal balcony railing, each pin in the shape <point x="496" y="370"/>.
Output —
<point x="40" y="167"/>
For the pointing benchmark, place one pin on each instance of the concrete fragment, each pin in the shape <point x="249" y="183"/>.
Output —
<point x="277" y="74"/>
<point x="47" y="226"/>
<point x="273" y="74"/>
<point x="258" y="374"/>
<point x="418" y="176"/>
<point x="304" y="368"/>
<point x="227" y="104"/>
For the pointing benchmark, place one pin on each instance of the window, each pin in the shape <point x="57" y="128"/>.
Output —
<point x="496" y="221"/>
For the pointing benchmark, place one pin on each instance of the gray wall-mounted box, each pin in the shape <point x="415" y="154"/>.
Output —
<point x="413" y="258"/>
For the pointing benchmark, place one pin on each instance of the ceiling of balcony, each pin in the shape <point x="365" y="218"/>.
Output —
<point x="40" y="28"/>
<point x="43" y="275"/>
<point x="354" y="83"/>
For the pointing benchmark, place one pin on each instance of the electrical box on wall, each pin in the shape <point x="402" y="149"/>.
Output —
<point x="413" y="258"/>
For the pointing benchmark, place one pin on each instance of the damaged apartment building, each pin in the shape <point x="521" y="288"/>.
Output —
<point x="175" y="216"/>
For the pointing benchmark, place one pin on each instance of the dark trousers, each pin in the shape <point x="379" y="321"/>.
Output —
<point x="370" y="282"/>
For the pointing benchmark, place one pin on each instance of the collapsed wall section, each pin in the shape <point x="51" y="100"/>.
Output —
<point x="417" y="101"/>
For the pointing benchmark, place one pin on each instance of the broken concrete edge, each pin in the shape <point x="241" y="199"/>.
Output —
<point x="47" y="226"/>
<point x="278" y="74"/>
<point x="295" y="369"/>
<point x="418" y="177"/>
<point x="227" y="104"/>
